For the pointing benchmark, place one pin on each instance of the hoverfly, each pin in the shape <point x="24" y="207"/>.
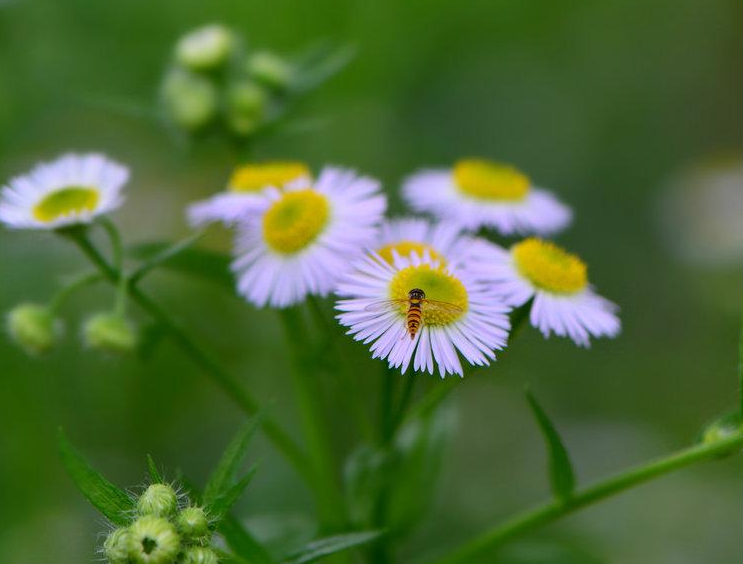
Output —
<point x="417" y="304"/>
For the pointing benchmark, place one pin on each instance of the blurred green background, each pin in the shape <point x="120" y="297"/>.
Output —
<point x="605" y="102"/>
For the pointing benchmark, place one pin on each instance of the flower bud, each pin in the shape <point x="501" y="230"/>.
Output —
<point x="159" y="500"/>
<point x="205" y="48"/>
<point x="270" y="69"/>
<point x="722" y="428"/>
<point x="192" y="523"/>
<point x="110" y="332"/>
<point x="32" y="326"/>
<point x="191" y="101"/>
<point x="246" y="107"/>
<point x="199" y="555"/>
<point x="116" y="547"/>
<point x="153" y="540"/>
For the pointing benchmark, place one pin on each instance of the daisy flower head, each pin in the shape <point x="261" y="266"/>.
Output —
<point x="421" y="312"/>
<point x="443" y="241"/>
<point x="304" y="237"/>
<point x="243" y="194"/>
<point x="70" y="190"/>
<point x="564" y="301"/>
<point x="478" y="193"/>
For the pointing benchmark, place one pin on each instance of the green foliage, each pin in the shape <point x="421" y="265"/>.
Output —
<point x="331" y="545"/>
<point x="114" y="503"/>
<point x="562" y="477"/>
<point x="153" y="471"/>
<point x="240" y="540"/>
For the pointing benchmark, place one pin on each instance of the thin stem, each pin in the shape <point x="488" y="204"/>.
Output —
<point x="386" y="399"/>
<point x="331" y="505"/>
<point x="229" y="384"/>
<point x="163" y="256"/>
<point x="552" y="511"/>
<point x="84" y="279"/>
<point x="117" y="251"/>
<point x="518" y="317"/>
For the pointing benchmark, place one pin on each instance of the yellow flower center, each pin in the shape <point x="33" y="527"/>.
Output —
<point x="255" y="177"/>
<point x="438" y="285"/>
<point x="406" y="248"/>
<point x="295" y="220"/>
<point x="66" y="201"/>
<point x="488" y="180"/>
<point x="550" y="267"/>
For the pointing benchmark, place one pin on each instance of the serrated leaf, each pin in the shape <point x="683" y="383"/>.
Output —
<point x="219" y="507"/>
<point x="242" y="543"/>
<point x="562" y="478"/>
<point x="223" y="475"/>
<point x="331" y="545"/>
<point x="155" y="476"/>
<point x="115" y="504"/>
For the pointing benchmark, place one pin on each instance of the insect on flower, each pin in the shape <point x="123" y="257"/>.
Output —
<point x="414" y="306"/>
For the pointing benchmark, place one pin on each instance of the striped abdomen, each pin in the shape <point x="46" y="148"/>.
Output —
<point x="414" y="319"/>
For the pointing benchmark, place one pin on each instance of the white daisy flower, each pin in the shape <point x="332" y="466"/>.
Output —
<point x="304" y="238"/>
<point x="564" y="302"/>
<point x="398" y="238"/>
<point x="454" y="313"/>
<point x="70" y="190"/>
<point x="477" y="193"/>
<point x="243" y="194"/>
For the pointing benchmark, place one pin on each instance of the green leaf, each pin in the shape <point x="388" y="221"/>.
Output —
<point x="219" y="506"/>
<point x="242" y="543"/>
<point x="222" y="478"/>
<point x="331" y="545"/>
<point x="319" y="64"/>
<point x="562" y="477"/>
<point x="115" y="504"/>
<point x="740" y="372"/>
<point x="155" y="476"/>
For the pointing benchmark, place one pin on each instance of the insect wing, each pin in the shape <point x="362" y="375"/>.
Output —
<point x="386" y="305"/>
<point x="441" y="307"/>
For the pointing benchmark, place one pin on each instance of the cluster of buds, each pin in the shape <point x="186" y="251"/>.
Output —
<point x="165" y="530"/>
<point x="215" y="81"/>
<point x="36" y="329"/>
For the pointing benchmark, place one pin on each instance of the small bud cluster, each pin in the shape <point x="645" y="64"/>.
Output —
<point x="162" y="532"/>
<point x="215" y="81"/>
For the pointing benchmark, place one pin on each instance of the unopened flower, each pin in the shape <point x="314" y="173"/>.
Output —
<point x="153" y="540"/>
<point x="270" y="69"/>
<point x="305" y="236"/>
<point x="191" y="101"/>
<point x="159" y="500"/>
<point x="110" y="332"/>
<point x="420" y="312"/>
<point x="246" y="106"/>
<point x="243" y="191"/>
<point x="116" y="546"/>
<point x="192" y="523"/>
<point x="444" y="242"/>
<point x="199" y="555"/>
<point x="477" y="193"/>
<point x="33" y="327"/>
<point x="564" y="301"/>
<point x="205" y="48"/>
<point x="70" y="190"/>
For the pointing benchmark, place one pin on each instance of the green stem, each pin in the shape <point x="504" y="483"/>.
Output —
<point x="229" y="384"/>
<point x="165" y="255"/>
<point x="473" y="550"/>
<point x="65" y="292"/>
<point x="331" y="508"/>
<point x="117" y="251"/>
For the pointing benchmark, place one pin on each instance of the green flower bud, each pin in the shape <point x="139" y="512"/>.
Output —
<point x="723" y="428"/>
<point x="116" y="547"/>
<point x="205" y="48"/>
<point x="246" y="107"/>
<point x="153" y="540"/>
<point x="110" y="332"/>
<point x="32" y="326"/>
<point x="270" y="69"/>
<point x="192" y="523"/>
<point x="199" y="555"/>
<point x="191" y="101"/>
<point x="159" y="500"/>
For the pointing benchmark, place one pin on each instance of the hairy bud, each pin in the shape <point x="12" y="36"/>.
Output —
<point x="110" y="332"/>
<point x="159" y="500"/>
<point x="192" y="523"/>
<point x="199" y="555"/>
<point x="116" y="547"/>
<point x="270" y="69"/>
<point x="153" y="540"/>
<point x="205" y="48"/>
<point x="191" y="101"/>
<point x="32" y="326"/>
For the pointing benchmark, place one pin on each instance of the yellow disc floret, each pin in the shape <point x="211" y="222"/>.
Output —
<point x="550" y="267"/>
<point x="406" y="248"/>
<point x="295" y="220"/>
<point x="448" y="293"/>
<point x="255" y="177"/>
<point x="64" y="202"/>
<point x="488" y="180"/>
